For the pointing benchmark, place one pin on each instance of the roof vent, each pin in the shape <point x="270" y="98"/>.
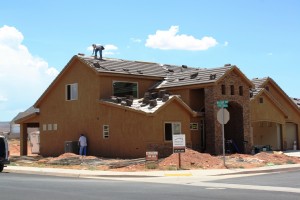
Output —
<point x="126" y="70"/>
<point x="212" y="76"/>
<point x="194" y="75"/>
<point x="183" y="66"/>
<point x="227" y="65"/>
<point x="139" y="71"/>
<point x="97" y="65"/>
<point x="170" y="70"/>
<point x="81" y="54"/>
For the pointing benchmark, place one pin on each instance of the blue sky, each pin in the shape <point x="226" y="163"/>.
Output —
<point x="39" y="37"/>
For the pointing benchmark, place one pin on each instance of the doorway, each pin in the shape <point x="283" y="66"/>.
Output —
<point x="234" y="129"/>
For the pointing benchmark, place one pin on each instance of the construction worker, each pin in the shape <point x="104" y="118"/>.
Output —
<point x="97" y="48"/>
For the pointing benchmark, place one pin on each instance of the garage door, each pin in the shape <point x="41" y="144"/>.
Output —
<point x="291" y="135"/>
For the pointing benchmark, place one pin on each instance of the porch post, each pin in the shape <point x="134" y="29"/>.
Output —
<point x="23" y="139"/>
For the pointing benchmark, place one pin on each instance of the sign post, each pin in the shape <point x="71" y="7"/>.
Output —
<point x="223" y="118"/>
<point x="179" y="146"/>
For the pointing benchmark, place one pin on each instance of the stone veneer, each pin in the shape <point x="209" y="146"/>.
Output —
<point x="213" y="127"/>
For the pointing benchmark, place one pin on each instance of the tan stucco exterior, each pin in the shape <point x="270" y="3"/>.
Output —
<point x="275" y="119"/>
<point x="132" y="132"/>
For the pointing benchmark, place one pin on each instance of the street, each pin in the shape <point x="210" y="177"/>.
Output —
<point x="27" y="187"/>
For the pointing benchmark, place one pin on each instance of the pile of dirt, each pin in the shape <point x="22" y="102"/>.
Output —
<point x="277" y="158"/>
<point x="189" y="160"/>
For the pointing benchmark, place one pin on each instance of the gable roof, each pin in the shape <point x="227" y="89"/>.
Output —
<point x="260" y="83"/>
<point x="30" y="112"/>
<point x="147" y="110"/>
<point x="262" y="91"/>
<point x="199" y="76"/>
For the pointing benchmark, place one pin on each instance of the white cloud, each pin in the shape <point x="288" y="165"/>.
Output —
<point x="226" y="44"/>
<point x="23" y="77"/>
<point x="169" y="39"/>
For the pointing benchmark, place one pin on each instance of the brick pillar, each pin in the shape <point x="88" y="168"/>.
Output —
<point x="212" y="127"/>
<point x="23" y="139"/>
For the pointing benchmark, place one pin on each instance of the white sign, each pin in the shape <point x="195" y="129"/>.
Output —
<point x="179" y="143"/>
<point x="223" y="118"/>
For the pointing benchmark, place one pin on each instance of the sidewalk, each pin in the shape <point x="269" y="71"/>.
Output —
<point x="204" y="175"/>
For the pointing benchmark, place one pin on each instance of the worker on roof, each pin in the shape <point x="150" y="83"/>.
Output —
<point x="97" y="48"/>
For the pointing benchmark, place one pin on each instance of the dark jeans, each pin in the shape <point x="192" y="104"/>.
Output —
<point x="100" y="52"/>
<point x="82" y="151"/>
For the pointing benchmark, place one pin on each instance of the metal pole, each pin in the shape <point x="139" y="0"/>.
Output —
<point x="179" y="160"/>
<point x="223" y="136"/>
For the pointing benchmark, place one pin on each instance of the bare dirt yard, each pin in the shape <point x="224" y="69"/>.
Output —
<point x="189" y="160"/>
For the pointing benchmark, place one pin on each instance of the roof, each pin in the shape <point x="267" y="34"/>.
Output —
<point x="198" y="76"/>
<point x="27" y="113"/>
<point x="296" y="101"/>
<point x="169" y="75"/>
<point x="137" y="105"/>
<point x="260" y="84"/>
<point x="120" y="66"/>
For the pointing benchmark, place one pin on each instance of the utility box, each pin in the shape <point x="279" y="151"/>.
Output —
<point x="71" y="147"/>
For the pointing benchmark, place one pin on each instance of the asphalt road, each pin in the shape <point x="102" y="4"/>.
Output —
<point x="29" y="187"/>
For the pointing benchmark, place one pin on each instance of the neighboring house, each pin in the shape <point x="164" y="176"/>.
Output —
<point x="126" y="108"/>
<point x="275" y="117"/>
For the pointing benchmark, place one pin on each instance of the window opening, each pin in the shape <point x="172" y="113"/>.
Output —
<point x="72" y="91"/>
<point x="123" y="89"/>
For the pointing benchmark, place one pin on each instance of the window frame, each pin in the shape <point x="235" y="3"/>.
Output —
<point x="175" y="129"/>
<point x="71" y="92"/>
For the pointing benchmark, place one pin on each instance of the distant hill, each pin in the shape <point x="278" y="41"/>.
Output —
<point x="4" y="127"/>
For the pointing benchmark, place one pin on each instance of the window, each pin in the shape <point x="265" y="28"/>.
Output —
<point x="172" y="128"/>
<point x="232" y="89"/>
<point x="267" y="88"/>
<point x="55" y="127"/>
<point x="49" y="127"/>
<point x="223" y="89"/>
<point x="72" y="92"/>
<point x="122" y="89"/>
<point x="241" y="90"/>
<point x="261" y="100"/>
<point x="105" y="131"/>
<point x="44" y="127"/>
<point x="194" y="126"/>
